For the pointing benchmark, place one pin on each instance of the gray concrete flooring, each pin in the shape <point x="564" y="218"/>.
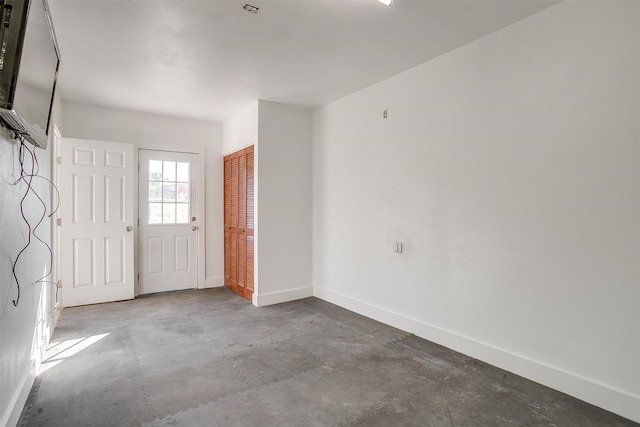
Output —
<point x="209" y="358"/>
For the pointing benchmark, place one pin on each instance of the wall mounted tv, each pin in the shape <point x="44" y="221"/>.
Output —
<point x="29" y="61"/>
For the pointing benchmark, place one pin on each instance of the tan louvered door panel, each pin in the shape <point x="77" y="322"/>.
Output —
<point x="239" y="222"/>
<point x="227" y="219"/>
<point x="250" y="222"/>
<point x="233" y="223"/>
<point x="242" y="223"/>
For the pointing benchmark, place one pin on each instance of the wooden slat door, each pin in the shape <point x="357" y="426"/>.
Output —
<point x="239" y="221"/>
<point x="242" y="223"/>
<point x="250" y="204"/>
<point x="227" y="220"/>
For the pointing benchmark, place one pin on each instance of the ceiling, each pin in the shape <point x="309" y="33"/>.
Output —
<point x="208" y="59"/>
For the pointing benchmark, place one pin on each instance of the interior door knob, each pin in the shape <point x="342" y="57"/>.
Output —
<point x="194" y="227"/>
<point x="129" y="228"/>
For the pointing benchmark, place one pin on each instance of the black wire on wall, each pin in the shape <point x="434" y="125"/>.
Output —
<point x="27" y="157"/>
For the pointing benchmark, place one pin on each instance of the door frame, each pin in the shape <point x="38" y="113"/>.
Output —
<point x="56" y="178"/>
<point x="202" y="236"/>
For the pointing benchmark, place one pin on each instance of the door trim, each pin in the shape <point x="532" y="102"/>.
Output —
<point x="200" y="152"/>
<point x="55" y="229"/>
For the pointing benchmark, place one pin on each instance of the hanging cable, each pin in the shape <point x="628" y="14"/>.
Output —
<point x="27" y="177"/>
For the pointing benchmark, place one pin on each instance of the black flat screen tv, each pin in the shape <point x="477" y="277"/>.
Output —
<point x="29" y="61"/>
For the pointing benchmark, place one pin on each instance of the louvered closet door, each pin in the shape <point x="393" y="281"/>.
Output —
<point x="231" y="221"/>
<point x="227" y="220"/>
<point x="242" y="224"/>
<point x="250" y="224"/>
<point x="239" y="221"/>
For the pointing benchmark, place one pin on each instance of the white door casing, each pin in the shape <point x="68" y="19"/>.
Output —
<point x="96" y="235"/>
<point x="168" y="214"/>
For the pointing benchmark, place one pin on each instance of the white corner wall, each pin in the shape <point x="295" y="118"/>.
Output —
<point x="240" y="130"/>
<point x="164" y="133"/>
<point x="284" y="204"/>
<point x="510" y="170"/>
<point x="282" y="137"/>
<point x="25" y="330"/>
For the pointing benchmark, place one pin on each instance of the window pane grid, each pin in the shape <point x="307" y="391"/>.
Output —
<point x="169" y="192"/>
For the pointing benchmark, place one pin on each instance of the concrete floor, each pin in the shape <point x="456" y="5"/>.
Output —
<point x="208" y="358"/>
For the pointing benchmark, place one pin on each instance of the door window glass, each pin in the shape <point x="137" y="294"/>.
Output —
<point x="169" y="192"/>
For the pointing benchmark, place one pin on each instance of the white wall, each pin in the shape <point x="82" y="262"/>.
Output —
<point x="282" y="137"/>
<point x="510" y="170"/>
<point x="150" y="130"/>
<point x="284" y="219"/>
<point x="240" y="130"/>
<point x="24" y="330"/>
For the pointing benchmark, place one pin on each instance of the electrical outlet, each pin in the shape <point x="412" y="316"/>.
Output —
<point x="398" y="248"/>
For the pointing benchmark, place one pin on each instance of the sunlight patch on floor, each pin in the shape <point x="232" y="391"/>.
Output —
<point x="58" y="352"/>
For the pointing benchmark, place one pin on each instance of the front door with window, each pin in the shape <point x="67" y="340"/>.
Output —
<point x="168" y="232"/>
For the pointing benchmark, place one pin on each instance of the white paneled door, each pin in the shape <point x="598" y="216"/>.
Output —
<point x="168" y="209"/>
<point x="96" y="243"/>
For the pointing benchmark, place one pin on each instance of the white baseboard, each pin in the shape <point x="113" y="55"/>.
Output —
<point x="214" y="282"/>
<point x="283" y="296"/>
<point x="13" y="411"/>
<point x="617" y="401"/>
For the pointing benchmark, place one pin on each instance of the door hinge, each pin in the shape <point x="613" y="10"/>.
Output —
<point x="138" y="167"/>
<point x="138" y="222"/>
<point x="59" y="284"/>
<point x="59" y="222"/>
<point x="138" y="277"/>
<point x="59" y="160"/>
